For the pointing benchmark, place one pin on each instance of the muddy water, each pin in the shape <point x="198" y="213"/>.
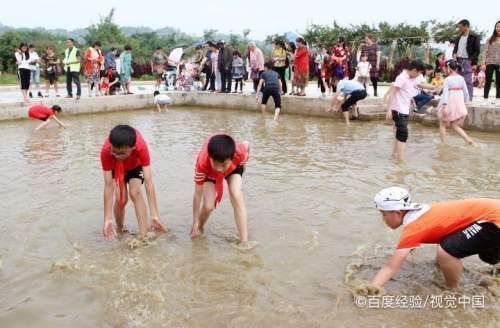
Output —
<point x="308" y="188"/>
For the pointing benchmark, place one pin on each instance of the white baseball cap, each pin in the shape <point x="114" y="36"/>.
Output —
<point x="395" y="199"/>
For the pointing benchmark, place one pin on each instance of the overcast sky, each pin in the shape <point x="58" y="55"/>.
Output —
<point x="263" y="17"/>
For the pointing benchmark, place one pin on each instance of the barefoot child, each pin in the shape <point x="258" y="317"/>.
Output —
<point x="45" y="113"/>
<point x="461" y="228"/>
<point x="351" y="92"/>
<point x="270" y="84"/>
<point x="125" y="161"/>
<point x="398" y="100"/>
<point x="451" y="109"/>
<point x="219" y="158"/>
<point x="161" y="101"/>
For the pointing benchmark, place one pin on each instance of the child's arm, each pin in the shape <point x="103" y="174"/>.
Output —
<point x="197" y="196"/>
<point x="388" y="99"/>
<point x="108" y="230"/>
<point x="151" y="195"/>
<point x="59" y="122"/>
<point x="390" y="268"/>
<point x="259" y="87"/>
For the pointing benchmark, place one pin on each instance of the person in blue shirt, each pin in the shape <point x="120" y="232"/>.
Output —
<point x="349" y="92"/>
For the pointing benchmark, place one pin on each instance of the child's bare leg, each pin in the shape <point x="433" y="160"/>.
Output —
<point x="276" y="113"/>
<point x="346" y="117"/>
<point x="43" y="124"/>
<point x="158" y="108"/>
<point x="139" y="206"/>
<point x="462" y="133"/>
<point x="238" y="202"/>
<point x="400" y="150"/>
<point x="207" y="206"/>
<point x="442" y="131"/>
<point x="164" y="108"/>
<point x="120" y="211"/>
<point x="263" y="109"/>
<point x="450" y="266"/>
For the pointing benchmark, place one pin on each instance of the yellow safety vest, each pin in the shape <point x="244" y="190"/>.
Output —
<point x="70" y="57"/>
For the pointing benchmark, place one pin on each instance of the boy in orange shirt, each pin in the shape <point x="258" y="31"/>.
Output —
<point x="461" y="228"/>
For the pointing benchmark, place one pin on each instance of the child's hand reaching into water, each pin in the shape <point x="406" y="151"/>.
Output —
<point x="109" y="231"/>
<point x="157" y="226"/>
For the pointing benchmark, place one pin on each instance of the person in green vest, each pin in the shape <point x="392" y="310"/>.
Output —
<point x="72" y="67"/>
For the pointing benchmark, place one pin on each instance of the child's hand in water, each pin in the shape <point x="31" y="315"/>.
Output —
<point x="109" y="231"/>
<point x="156" y="226"/>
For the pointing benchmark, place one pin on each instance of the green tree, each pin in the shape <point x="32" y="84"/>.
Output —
<point x="9" y="42"/>
<point x="107" y="32"/>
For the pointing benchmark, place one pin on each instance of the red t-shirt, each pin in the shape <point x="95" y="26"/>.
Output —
<point x="40" y="111"/>
<point x="204" y="170"/>
<point x="138" y="157"/>
<point x="445" y="218"/>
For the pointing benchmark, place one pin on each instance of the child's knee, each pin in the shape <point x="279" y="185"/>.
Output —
<point x="208" y="206"/>
<point x="135" y="194"/>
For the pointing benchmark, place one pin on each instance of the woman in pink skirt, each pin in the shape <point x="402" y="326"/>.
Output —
<point x="451" y="109"/>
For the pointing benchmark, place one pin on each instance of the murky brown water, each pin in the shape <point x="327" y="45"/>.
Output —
<point x="308" y="188"/>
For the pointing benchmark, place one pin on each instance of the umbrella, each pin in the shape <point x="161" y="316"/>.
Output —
<point x="292" y="36"/>
<point x="175" y="55"/>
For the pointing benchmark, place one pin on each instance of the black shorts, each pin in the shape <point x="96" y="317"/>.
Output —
<point x="44" y="118"/>
<point x="136" y="173"/>
<point x="238" y="170"/>
<point x="275" y="93"/>
<point x="102" y="73"/>
<point x="478" y="238"/>
<point x="51" y="77"/>
<point x="355" y="96"/>
<point x="401" y="123"/>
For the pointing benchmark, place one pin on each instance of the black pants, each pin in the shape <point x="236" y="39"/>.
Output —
<point x="353" y="99"/>
<point x="225" y="78"/>
<point x="24" y="76"/>
<point x="490" y="69"/>
<point x="208" y="75"/>
<point x="281" y="71"/>
<point x="73" y="77"/>
<point x="236" y="81"/>
<point x="374" y="80"/>
<point x="256" y="82"/>
<point x="401" y="123"/>
<point x="275" y="93"/>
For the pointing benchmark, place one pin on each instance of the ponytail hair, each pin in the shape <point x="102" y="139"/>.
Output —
<point x="453" y="65"/>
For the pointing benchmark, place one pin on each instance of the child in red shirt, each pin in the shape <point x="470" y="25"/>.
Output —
<point x="125" y="160"/>
<point x="461" y="228"/>
<point x="45" y="113"/>
<point x="220" y="157"/>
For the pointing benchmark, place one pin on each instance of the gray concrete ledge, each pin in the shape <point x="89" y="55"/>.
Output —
<point x="479" y="118"/>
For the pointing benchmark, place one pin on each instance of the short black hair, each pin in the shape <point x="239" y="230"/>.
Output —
<point x="417" y="65"/>
<point x="57" y="108"/>
<point x="32" y="46"/>
<point x="70" y="39"/>
<point x="112" y="49"/>
<point x="122" y="135"/>
<point x="268" y="65"/>
<point x="221" y="147"/>
<point x="156" y="93"/>
<point x="464" y="22"/>
<point x="96" y="43"/>
<point x="128" y="47"/>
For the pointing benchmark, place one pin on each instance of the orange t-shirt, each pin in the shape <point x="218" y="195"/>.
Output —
<point x="445" y="218"/>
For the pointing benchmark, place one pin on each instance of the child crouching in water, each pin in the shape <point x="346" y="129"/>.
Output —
<point x="460" y="228"/>
<point x="45" y="113"/>
<point x="452" y="107"/>
<point x="161" y="101"/>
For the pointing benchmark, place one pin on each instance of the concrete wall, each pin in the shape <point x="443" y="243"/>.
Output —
<point x="479" y="118"/>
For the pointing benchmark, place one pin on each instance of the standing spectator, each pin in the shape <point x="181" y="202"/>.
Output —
<point x="290" y="51"/>
<point x="158" y="61"/>
<point x="110" y="59"/>
<point x="440" y="62"/>
<point x="72" y="67"/>
<point x="23" y="67"/>
<point x="238" y="71"/>
<point x="302" y="66"/>
<point x="363" y="70"/>
<point x="372" y="52"/>
<point x="214" y="58"/>
<point x="341" y="55"/>
<point x="51" y="69"/>
<point x="92" y="67"/>
<point x="35" y="70"/>
<point x="279" y="62"/>
<point x="206" y="64"/>
<point x="318" y="61"/>
<point x="466" y="51"/>
<point x="256" y="59"/>
<point x="126" y="61"/>
<point x="491" y="59"/>
<point x="448" y="53"/>
<point x="225" y="63"/>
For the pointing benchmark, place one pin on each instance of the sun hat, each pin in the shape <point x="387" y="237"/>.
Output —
<point x="395" y="199"/>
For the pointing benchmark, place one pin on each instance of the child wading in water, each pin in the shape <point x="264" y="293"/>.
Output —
<point x="220" y="158"/>
<point x="44" y="113"/>
<point x="270" y="84"/>
<point x="451" y="109"/>
<point x="350" y="92"/>
<point x="125" y="161"/>
<point x="161" y="101"/>
<point x="237" y="71"/>
<point x="460" y="228"/>
<point x="399" y="99"/>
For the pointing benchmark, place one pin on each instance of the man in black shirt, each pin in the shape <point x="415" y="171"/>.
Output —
<point x="466" y="51"/>
<point x="270" y="84"/>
